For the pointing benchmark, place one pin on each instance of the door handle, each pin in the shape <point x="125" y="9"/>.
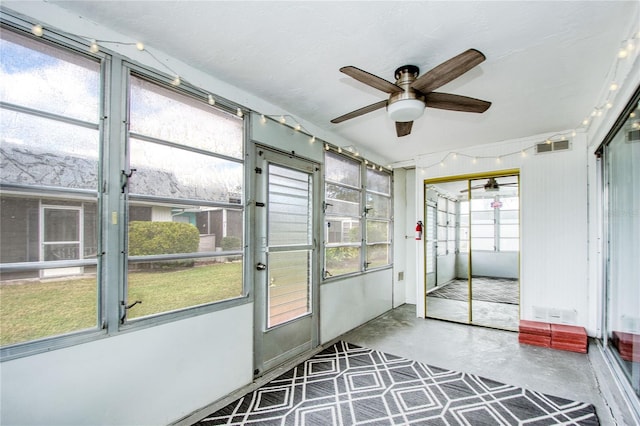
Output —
<point x="261" y="266"/>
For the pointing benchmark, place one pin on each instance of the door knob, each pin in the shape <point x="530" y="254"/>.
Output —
<point x="261" y="266"/>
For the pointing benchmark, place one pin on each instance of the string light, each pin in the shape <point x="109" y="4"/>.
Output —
<point x="627" y="48"/>
<point x="37" y="30"/>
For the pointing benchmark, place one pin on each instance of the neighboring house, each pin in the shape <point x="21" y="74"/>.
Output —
<point x="49" y="208"/>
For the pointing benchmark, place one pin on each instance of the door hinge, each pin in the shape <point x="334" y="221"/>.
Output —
<point x="259" y="204"/>
<point x="258" y="170"/>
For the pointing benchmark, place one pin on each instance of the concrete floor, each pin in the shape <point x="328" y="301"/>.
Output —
<point x="496" y="354"/>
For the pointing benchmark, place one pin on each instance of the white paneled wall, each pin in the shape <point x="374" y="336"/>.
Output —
<point x="350" y="302"/>
<point x="400" y="224"/>
<point x="553" y="262"/>
<point x="148" y="377"/>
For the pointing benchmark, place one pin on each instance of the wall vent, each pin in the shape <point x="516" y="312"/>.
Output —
<point x="560" y="145"/>
<point x="554" y="315"/>
<point x="633" y="136"/>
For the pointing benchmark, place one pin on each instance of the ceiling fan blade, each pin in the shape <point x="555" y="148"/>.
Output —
<point x="403" y="128"/>
<point x="359" y="112"/>
<point x="371" y="80"/>
<point x="448" y="70"/>
<point x="472" y="188"/>
<point x="455" y="102"/>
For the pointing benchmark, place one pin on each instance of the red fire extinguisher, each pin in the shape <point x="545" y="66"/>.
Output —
<point x="419" y="230"/>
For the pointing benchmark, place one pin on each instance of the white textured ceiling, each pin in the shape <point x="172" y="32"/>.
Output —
<point x="546" y="65"/>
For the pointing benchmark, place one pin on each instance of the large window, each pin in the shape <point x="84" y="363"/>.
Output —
<point x="378" y="215"/>
<point x="186" y="169"/>
<point x="343" y="210"/>
<point x="621" y="175"/>
<point x="356" y="198"/>
<point x="49" y="156"/>
<point x="71" y="268"/>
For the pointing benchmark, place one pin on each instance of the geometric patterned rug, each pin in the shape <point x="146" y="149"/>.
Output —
<point x="498" y="290"/>
<point x="349" y="385"/>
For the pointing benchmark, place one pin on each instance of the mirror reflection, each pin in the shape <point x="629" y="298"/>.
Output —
<point x="472" y="246"/>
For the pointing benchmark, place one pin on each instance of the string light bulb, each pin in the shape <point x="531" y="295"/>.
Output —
<point x="211" y="100"/>
<point x="140" y="46"/>
<point x="339" y="150"/>
<point x="298" y="127"/>
<point x="93" y="47"/>
<point x="313" y="139"/>
<point x="239" y="112"/>
<point x="585" y="122"/>
<point x="37" y="30"/>
<point x="176" y="81"/>
<point x="326" y="147"/>
<point x="622" y="53"/>
<point x="282" y="119"/>
<point x="263" y="119"/>
<point x="613" y="86"/>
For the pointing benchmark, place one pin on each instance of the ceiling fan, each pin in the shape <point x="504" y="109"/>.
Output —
<point x="492" y="185"/>
<point x="411" y="94"/>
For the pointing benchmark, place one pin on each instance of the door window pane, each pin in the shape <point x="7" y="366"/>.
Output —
<point x="289" y="286"/>
<point x="289" y="207"/>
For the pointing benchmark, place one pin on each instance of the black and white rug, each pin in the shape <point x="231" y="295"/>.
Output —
<point x="497" y="290"/>
<point x="349" y="385"/>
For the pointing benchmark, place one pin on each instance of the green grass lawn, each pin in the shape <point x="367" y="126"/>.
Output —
<point x="39" y="309"/>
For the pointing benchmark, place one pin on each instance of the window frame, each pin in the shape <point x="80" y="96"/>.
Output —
<point x="363" y="218"/>
<point x="110" y="206"/>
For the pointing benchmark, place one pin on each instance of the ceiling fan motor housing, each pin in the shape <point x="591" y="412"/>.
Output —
<point x="407" y="105"/>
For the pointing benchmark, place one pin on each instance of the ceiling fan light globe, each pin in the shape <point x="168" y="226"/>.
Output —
<point x="405" y="110"/>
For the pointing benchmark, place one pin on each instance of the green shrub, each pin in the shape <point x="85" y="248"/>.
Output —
<point x="231" y="243"/>
<point x="149" y="238"/>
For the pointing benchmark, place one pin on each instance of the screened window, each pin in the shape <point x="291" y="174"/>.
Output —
<point x="49" y="156"/>
<point x="378" y="219"/>
<point x="185" y="233"/>
<point x="358" y="216"/>
<point x="343" y="210"/>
